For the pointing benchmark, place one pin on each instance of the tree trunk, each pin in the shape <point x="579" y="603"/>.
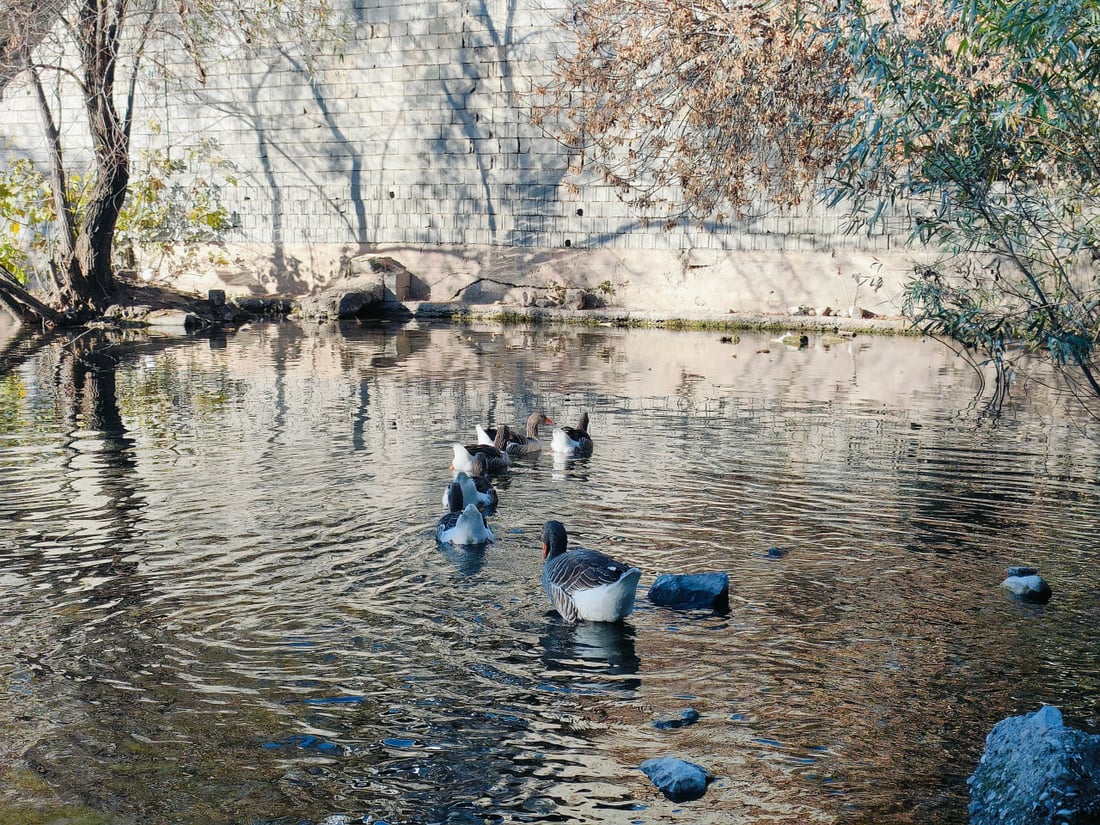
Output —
<point x="93" y="287"/>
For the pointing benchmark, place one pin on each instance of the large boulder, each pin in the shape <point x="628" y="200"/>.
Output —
<point x="687" y="591"/>
<point x="371" y="286"/>
<point x="352" y="297"/>
<point x="1036" y="771"/>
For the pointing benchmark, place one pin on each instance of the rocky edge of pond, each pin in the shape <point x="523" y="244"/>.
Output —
<point x="372" y="285"/>
<point x="1037" y="771"/>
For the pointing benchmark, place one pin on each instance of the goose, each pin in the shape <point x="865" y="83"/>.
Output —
<point x="462" y="525"/>
<point x="495" y="460"/>
<point x="479" y="468"/>
<point x="585" y="584"/>
<point x="515" y="444"/>
<point x="572" y="440"/>
<point x="470" y="492"/>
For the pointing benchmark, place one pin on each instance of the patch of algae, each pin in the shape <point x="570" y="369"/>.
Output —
<point x="20" y="785"/>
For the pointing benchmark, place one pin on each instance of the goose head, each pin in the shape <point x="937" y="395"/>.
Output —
<point x="455" y="496"/>
<point x="555" y="540"/>
<point x="534" y="421"/>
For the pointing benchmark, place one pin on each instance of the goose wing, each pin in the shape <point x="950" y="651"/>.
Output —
<point x="582" y="440"/>
<point x="582" y="569"/>
<point x="563" y="603"/>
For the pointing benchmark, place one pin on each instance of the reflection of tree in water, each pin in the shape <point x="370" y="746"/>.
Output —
<point x="959" y="500"/>
<point x="106" y="661"/>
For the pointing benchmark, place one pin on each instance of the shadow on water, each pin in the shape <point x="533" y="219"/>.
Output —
<point x="225" y="603"/>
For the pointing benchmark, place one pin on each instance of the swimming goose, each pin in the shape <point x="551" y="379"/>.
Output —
<point x="479" y="467"/>
<point x="572" y="440"/>
<point x="470" y="493"/>
<point x="513" y="443"/>
<point x="585" y="584"/>
<point x="464" y="526"/>
<point x="495" y="460"/>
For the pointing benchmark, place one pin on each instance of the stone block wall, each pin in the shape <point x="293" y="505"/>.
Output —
<point x="416" y="141"/>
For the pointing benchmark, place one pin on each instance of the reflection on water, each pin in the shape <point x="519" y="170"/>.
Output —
<point x="224" y="602"/>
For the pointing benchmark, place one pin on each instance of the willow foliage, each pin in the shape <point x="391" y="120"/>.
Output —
<point x="983" y="117"/>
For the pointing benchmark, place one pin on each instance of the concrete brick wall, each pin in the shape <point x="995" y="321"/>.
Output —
<point x="419" y="140"/>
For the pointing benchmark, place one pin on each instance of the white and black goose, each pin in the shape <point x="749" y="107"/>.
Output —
<point x="585" y="584"/>
<point x="495" y="460"/>
<point x="462" y="524"/>
<point x="572" y="440"/>
<point x="507" y="439"/>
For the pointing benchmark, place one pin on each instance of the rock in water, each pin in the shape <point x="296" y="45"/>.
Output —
<point x="677" y="779"/>
<point x="1036" y="771"/>
<point x="1031" y="588"/>
<point x="688" y="716"/>
<point x="694" y="590"/>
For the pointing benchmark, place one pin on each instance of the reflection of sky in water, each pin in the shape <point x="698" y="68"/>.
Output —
<point x="225" y="601"/>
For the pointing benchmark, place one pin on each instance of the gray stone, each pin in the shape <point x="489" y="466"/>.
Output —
<point x="677" y="779"/>
<point x="691" y="590"/>
<point x="351" y="297"/>
<point x="260" y="305"/>
<point x="1036" y="771"/>
<point x="173" y="319"/>
<point x="371" y="286"/>
<point x="688" y="716"/>
<point x="1030" y="588"/>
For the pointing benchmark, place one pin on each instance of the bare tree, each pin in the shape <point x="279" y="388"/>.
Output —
<point x="693" y="107"/>
<point x="111" y="43"/>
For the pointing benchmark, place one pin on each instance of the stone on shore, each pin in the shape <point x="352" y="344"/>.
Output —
<point x="677" y="779"/>
<point x="173" y="319"/>
<point x="1036" y="771"/>
<point x="687" y="591"/>
<point x="370" y="286"/>
<point x="353" y="297"/>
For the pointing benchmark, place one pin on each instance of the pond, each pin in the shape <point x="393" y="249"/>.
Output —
<point x="223" y="602"/>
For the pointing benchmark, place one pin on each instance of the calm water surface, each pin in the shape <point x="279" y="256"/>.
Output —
<point x="222" y="602"/>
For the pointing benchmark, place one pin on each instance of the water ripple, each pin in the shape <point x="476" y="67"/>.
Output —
<point x="234" y="608"/>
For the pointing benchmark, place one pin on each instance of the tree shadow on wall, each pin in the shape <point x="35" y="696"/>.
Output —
<point x="286" y="272"/>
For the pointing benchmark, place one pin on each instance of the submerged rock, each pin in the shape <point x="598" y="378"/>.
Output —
<point x="1036" y="771"/>
<point x="677" y="779"/>
<point x="688" y="716"/>
<point x="691" y="590"/>
<point x="1027" y="585"/>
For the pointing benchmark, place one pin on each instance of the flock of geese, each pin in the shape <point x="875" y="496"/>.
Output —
<point x="583" y="585"/>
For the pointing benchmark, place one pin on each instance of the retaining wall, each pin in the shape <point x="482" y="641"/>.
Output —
<point x="417" y="142"/>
